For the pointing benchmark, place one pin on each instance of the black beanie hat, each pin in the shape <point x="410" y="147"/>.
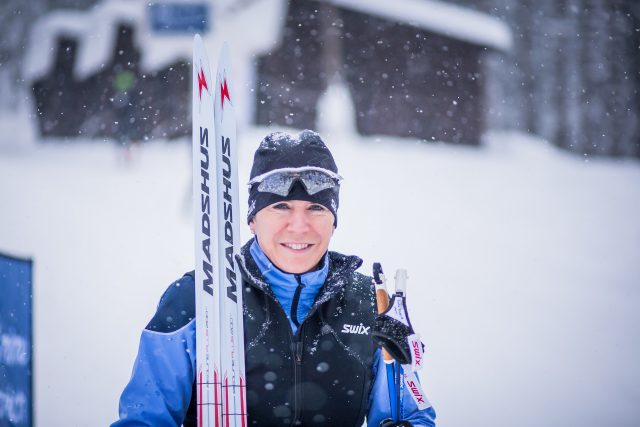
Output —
<point x="280" y="150"/>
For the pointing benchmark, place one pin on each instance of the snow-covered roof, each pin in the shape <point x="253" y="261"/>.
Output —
<point x="95" y="31"/>
<point x="439" y="17"/>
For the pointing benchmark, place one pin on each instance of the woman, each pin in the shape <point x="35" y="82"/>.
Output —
<point x="303" y="366"/>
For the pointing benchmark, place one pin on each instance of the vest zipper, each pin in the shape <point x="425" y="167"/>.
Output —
<point x="297" y="354"/>
<point x="297" y="375"/>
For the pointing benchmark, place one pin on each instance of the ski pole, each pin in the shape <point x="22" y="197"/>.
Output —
<point x="401" y="286"/>
<point x="382" y="302"/>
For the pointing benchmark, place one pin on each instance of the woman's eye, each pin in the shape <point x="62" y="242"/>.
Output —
<point x="280" y="206"/>
<point x="317" y="208"/>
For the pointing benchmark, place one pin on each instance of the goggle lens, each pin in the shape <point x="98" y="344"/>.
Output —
<point x="281" y="183"/>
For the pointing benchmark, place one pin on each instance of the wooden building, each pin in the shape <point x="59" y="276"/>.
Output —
<point x="413" y="68"/>
<point x="103" y="73"/>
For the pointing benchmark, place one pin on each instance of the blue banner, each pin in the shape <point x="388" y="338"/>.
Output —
<point x="179" y="17"/>
<point x="16" y="379"/>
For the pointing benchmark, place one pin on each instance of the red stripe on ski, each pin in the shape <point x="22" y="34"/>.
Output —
<point x="226" y="387"/>
<point x="200" y="406"/>
<point x="215" y="394"/>
<point x="242" y="411"/>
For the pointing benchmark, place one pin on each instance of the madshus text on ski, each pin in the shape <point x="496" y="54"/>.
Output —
<point x="206" y="212"/>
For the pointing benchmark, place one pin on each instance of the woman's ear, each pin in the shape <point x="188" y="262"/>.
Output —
<point x="252" y="225"/>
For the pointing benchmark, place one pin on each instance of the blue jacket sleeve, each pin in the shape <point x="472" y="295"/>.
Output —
<point x="159" y="391"/>
<point x="380" y="401"/>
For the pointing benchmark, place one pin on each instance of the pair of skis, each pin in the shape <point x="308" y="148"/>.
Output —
<point x="220" y="376"/>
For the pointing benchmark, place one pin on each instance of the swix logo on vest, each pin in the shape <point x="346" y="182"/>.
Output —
<point x="417" y="354"/>
<point x="356" y="329"/>
<point x="415" y="391"/>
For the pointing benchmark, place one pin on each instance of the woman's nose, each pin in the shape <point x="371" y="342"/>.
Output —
<point x="298" y="220"/>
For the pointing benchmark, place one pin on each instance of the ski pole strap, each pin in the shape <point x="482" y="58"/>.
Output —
<point x="393" y="332"/>
<point x="417" y="351"/>
<point x="412" y="382"/>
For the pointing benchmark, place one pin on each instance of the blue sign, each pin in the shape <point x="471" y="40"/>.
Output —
<point x="179" y="17"/>
<point x="16" y="379"/>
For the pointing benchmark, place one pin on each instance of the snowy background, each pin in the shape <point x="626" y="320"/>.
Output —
<point x="523" y="265"/>
<point x="523" y="262"/>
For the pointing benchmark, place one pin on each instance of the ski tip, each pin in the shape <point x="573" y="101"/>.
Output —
<point x="198" y="46"/>
<point x="225" y="55"/>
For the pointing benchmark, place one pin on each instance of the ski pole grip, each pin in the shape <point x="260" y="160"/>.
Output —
<point x="401" y="281"/>
<point x="382" y="296"/>
<point x="382" y="300"/>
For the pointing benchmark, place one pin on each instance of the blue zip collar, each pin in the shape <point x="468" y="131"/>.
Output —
<point x="284" y="284"/>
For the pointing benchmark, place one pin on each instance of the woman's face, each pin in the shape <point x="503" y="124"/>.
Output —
<point x="294" y="234"/>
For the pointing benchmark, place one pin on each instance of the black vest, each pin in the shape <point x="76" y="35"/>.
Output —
<point x="322" y="375"/>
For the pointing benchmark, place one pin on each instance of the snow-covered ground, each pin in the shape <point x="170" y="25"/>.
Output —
<point x="523" y="264"/>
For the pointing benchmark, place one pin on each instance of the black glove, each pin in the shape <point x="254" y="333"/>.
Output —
<point x="391" y="423"/>
<point x="394" y="332"/>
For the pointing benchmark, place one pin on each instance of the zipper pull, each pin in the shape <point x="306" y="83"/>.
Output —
<point x="296" y="300"/>
<point x="299" y="352"/>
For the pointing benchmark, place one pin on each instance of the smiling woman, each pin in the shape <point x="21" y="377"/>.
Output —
<point x="310" y="360"/>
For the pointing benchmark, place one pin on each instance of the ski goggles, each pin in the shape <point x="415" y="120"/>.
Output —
<point x="280" y="181"/>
